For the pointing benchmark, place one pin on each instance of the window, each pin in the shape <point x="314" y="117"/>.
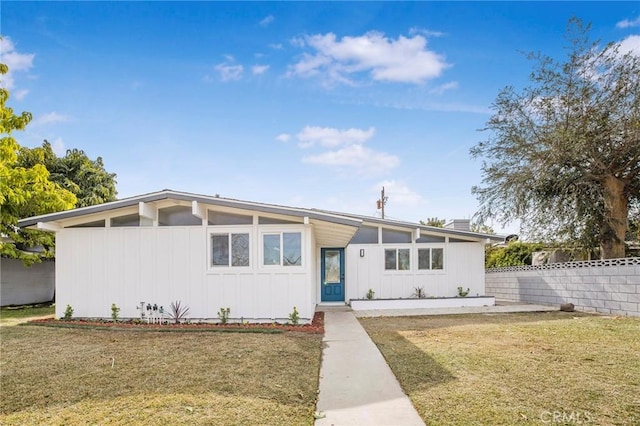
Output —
<point x="365" y="235"/>
<point x="96" y="224"/>
<point x="128" y="220"/>
<point x="284" y="249"/>
<point x="397" y="259"/>
<point x="430" y="258"/>
<point x="229" y="250"/>
<point x="177" y="216"/>
<point x="221" y="218"/>
<point x="430" y="239"/>
<point x="273" y="221"/>
<point x="391" y="236"/>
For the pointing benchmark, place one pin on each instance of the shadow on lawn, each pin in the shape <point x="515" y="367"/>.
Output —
<point x="415" y="369"/>
<point x="432" y="322"/>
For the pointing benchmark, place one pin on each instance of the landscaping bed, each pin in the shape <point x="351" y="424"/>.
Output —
<point x="316" y="326"/>
<point x="421" y="303"/>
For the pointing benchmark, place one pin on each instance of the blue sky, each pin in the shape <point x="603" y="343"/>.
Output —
<point x="303" y="104"/>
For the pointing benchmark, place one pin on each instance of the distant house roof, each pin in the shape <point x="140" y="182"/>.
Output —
<point x="338" y="218"/>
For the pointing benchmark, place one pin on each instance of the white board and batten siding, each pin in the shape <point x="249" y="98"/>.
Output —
<point x="169" y="246"/>
<point x="129" y="265"/>
<point x="463" y="266"/>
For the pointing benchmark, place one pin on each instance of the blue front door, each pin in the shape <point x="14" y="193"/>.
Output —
<point x="332" y="274"/>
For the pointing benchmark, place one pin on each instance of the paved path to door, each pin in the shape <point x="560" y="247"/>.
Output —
<point x="357" y="386"/>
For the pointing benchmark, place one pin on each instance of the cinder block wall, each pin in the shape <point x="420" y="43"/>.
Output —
<point x="21" y="285"/>
<point x="608" y="286"/>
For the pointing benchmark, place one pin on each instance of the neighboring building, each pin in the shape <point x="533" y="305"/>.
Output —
<point x="260" y="260"/>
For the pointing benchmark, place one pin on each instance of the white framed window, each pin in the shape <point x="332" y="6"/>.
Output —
<point x="282" y="249"/>
<point x="431" y="259"/>
<point x="230" y="249"/>
<point x="397" y="259"/>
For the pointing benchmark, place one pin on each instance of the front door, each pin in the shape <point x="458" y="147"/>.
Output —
<point x="332" y="275"/>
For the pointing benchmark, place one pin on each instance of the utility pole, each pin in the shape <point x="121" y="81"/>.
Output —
<point x="382" y="201"/>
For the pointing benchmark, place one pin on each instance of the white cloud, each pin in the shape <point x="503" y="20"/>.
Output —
<point x="425" y="32"/>
<point x="229" y="71"/>
<point x="331" y="137"/>
<point x="439" y="90"/>
<point x="20" y="94"/>
<point x="297" y="42"/>
<point x="630" y="44"/>
<point x="267" y="20"/>
<point x="276" y="46"/>
<point x="627" y="23"/>
<point x="356" y="158"/>
<point x="259" y="69"/>
<point x="404" y="60"/>
<point x="399" y="193"/>
<point x="344" y="149"/>
<point x="50" y="118"/>
<point x="15" y="61"/>
<point x="58" y="147"/>
<point x="283" y="137"/>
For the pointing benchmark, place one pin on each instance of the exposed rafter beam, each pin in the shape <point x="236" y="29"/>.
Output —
<point x="147" y="210"/>
<point x="198" y="210"/>
<point x="48" y="226"/>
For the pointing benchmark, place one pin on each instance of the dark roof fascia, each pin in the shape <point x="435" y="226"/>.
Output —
<point x="434" y="229"/>
<point x="174" y="195"/>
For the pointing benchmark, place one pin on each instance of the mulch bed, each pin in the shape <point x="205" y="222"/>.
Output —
<point x="316" y="326"/>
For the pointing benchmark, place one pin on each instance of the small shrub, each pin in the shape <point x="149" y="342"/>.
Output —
<point x="370" y="294"/>
<point x="294" y="317"/>
<point x="223" y="314"/>
<point x="68" y="313"/>
<point x="177" y="312"/>
<point x="419" y="293"/>
<point x="462" y="292"/>
<point x="114" y="312"/>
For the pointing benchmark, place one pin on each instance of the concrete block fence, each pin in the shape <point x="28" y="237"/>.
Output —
<point x="608" y="286"/>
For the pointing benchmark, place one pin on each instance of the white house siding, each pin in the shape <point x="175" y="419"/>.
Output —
<point x="463" y="267"/>
<point x="129" y="265"/>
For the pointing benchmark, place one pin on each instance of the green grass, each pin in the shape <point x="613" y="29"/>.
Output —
<point x="75" y="376"/>
<point x="506" y="369"/>
<point x="14" y="314"/>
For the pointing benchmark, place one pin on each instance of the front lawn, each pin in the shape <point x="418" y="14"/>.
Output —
<point x="505" y="369"/>
<point x="76" y="376"/>
<point x="11" y="315"/>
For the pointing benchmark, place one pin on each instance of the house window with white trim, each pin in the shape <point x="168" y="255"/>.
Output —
<point x="282" y="249"/>
<point x="430" y="258"/>
<point x="230" y="249"/>
<point x="397" y="259"/>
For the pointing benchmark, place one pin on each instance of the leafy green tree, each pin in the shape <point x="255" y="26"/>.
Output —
<point x="433" y="221"/>
<point x="24" y="191"/>
<point x="514" y="254"/>
<point x="482" y="228"/>
<point x="563" y="155"/>
<point x="75" y="172"/>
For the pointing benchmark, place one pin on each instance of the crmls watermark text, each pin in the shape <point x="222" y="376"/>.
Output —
<point x="566" y="417"/>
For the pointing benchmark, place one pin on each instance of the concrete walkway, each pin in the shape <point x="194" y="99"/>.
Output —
<point x="357" y="386"/>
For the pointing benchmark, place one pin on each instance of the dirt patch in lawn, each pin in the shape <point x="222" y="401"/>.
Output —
<point x="530" y="368"/>
<point x="82" y="376"/>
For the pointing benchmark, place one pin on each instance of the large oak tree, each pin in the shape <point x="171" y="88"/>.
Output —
<point x="563" y="154"/>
